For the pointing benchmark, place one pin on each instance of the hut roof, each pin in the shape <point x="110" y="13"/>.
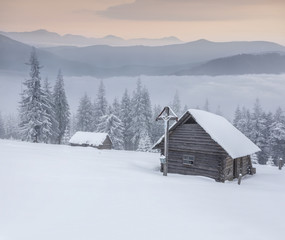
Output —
<point x="90" y="138"/>
<point x="221" y="131"/>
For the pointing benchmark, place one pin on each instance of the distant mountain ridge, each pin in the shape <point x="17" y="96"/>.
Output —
<point x="14" y="56"/>
<point x="267" y="63"/>
<point x="44" y="38"/>
<point x="194" y="58"/>
<point x="162" y="56"/>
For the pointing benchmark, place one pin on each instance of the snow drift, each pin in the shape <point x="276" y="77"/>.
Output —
<point x="60" y="192"/>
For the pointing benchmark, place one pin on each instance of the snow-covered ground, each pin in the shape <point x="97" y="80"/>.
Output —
<point x="74" y="193"/>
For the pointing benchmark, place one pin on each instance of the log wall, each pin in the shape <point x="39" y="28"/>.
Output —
<point x="229" y="168"/>
<point x="191" y="139"/>
<point x="107" y="144"/>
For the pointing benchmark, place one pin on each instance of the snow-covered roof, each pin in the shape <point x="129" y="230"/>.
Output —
<point x="223" y="132"/>
<point x="89" y="138"/>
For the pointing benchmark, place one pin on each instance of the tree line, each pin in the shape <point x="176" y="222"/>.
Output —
<point x="129" y="121"/>
<point x="265" y="129"/>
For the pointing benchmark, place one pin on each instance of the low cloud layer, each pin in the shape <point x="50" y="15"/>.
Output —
<point x="192" y="10"/>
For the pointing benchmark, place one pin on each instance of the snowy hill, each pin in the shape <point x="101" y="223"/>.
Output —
<point x="62" y="192"/>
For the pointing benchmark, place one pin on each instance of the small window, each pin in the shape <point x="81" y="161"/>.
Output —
<point x="188" y="159"/>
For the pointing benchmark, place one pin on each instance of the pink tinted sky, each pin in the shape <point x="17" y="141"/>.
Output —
<point x="217" y="20"/>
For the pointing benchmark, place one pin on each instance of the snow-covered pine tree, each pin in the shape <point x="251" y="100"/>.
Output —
<point x="73" y="123"/>
<point x="33" y="117"/>
<point x="157" y="126"/>
<point x="112" y="125"/>
<point x="11" y="124"/>
<point x="266" y="148"/>
<point x="257" y="133"/>
<point x="207" y="105"/>
<point x="176" y="104"/>
<point x="62" y="113"/>
<point x="185" y="109"/>
<point x="137" y="115"/>
<point x="126" y="118"/>
<point x="100" y="104"/>
<point x="109" y="110"/>
<point x="85" y="115"/>
<point x="51" y="128"/>
<point x="116" y="107"/>
<point x="241" y="118"/>
<point x="2" y="128"/>
<point x="219" y="111"/>
<point x="144" y="142"/>
<point x="66" y="135"/>
<point x="147" y="110"/>
<point x="254" y="158"/>
<point x="245" y="124"/>
<point x="237" y="118"/>
<point x="270" y="161"/>
<point x="277" y="136"/>
<point x="141" y="113"/>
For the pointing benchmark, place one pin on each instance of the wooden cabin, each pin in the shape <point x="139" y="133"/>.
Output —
<point x="205" y="144"/>
<point x="91" y="139"/>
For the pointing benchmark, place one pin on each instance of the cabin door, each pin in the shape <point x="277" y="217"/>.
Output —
<point x="235" y="172"/>
<point x="237" y="166"/>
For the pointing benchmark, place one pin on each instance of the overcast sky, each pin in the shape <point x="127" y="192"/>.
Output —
<point x="217" y="20"/>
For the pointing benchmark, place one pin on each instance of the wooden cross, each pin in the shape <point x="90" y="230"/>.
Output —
<point x="166" y="115"/>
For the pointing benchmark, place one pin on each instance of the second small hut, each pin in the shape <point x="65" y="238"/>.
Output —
<point x="91" y="139"/>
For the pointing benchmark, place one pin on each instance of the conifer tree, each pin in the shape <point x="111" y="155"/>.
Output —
<point x="2" y="128"/>
<point x="126" y="118"/>
<point x="147" y="110"/>
<point x="85" y="115"/>
<point x="207" y="105"/>
<point x="62" y="113"/>
<point x="176" y="104"/>
<point x="137" y="114"/>
<point x="11" y="124"/>
<point x="144" y="142"/>
<point x="112" y="125"/>
<point x="270" y="161"/>
<point x="245" y="124"/>
<point x="100" y="104"/>
<point x="185" y="109"/>
<point x="219" y="111"/>
<point x="34" y="119"/>
<point x="73" y="124"/>
<point x="257" y="135"/>
<point x="241" y="118"/>
<point x="277" y="136"/>
<point x="141" y="113"/>
<point x="157" y="126"/>
<point x="116" y="107"/>
<point x="237" y="118"/>
<point x="66" y="135"/>
<point x="51" y="128"/>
